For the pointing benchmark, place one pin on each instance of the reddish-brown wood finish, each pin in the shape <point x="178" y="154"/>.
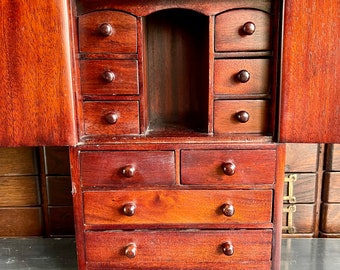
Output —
<point x="310" y="87"/>
<point x="226" y="116"/>
<point x="179" y="247"/>
<point x="123" y="81"/>
<point x="96" y="123"/>
<point x="205" y="167"/>
<point x="123" y="36"/>
<point x="228" y="79"/>
<point x="166" y="208"/>
<point x="150" y="168"/>
<point x="36" y="100"/>
<point x="231" y="31"/>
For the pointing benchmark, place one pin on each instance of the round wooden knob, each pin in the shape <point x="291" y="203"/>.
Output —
<point x="229" y="168"/>
<point x="106" y="29"/>
<point x="228" y="248"/>
<point x="243" y="116"/>
<point x="228" y="210"/>
<point x="248" y="28"/>
<point x="129" y="209"/>
<point x="111" y="118"/>
<point x="131" y="251"/>
<point x="128" y="171"/>
<point x="243" y="76"/>
<point x="108" y="76"/>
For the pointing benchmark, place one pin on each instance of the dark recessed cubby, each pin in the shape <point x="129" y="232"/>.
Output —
<point x="177" y="67"/>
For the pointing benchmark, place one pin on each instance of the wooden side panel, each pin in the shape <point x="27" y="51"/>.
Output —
<point x="310" y="102"/>
<point x="36" y="100"/>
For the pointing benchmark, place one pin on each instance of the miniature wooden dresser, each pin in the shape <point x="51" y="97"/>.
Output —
<point x="178" y="168"/>
<point x="174" y="111"/>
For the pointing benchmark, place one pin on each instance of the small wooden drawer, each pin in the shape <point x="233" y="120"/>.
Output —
<point x="243" y="30"/>
<point x="330" y="218"/>
<point x="241" y="76"/>
<point x="241" y="116"/>
<point x="237" y="249"/>
<point x="127" y="168"/>
<point x="167" y="208"/>
<point x="109" y="77"/>
<point x="228" y="167"/>
<point x="111" y="118"/>
<point x="108" y="31"/>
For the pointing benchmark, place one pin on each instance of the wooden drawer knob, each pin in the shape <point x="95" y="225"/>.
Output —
<point x="108" y="76"/>
<point x="131" y="250"/>
<point x="228" y="248"/>
<point x="128" y="171"/>
<point x="129" y="209"/>
<point x="111" y="118"/>
<point x="248" y="28"/>
<point x="243" y="116"/>
<point x="243" y="76"/>
<point x="106" y="29"/>
<point x="228" y="210"/>
<point x="229" y="168"/>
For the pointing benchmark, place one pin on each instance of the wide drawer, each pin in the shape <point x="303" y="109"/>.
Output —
<point x="241" y="116"/>
<point x="228" y="167"/>
<point x="243" y="30"/>
<point x="108" y="31"/>
<point x="111" y="118"/>
<point x="109" y="77"/>
<point x="241" y="76"/>
<point x="127" y="168"/>
<point x="164" y="208"/>
<point x="237" y="249"/>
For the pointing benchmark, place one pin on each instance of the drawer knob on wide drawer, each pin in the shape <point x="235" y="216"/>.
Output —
<point x="106" y="29"/>
<point x="248" y="28"/>
<point x="243" y="76"/>
<point x="131" y="251"/>
<point x="242" y="116"/>
<point x="129" y="209"/>
<point x="229" y="168"/>
<point x="228" y="248"/>
<point x="228" y="210"/>
<point x="111" y="118"/>
<point x="128" y="171"/>
<point x="108" y="76"/>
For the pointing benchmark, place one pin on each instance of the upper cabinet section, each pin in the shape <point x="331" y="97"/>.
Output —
<point x="36" y="99"/>
<point x="310" y="105"/>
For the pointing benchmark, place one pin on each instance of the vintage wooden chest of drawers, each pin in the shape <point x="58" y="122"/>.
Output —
<point x="178" y="169"/>
<point x="174" y="110"/>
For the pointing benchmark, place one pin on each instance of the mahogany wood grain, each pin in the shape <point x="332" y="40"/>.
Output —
<point x="177" y="69"/>
<point x="146" y="7"/>
<point x="171" y="207"/>
<point x="310" y="107"/>
<point x="195" y="248"/>
<point x="204" y="167"/>
<point x="122" y="40"/>
<point x="225" y="116"/>
<point x="226" y="79"/>
<point x="106" y="168"/>
<point x="95" y="122"/>
<point x="36" y="100"/>
<point x="230" y="34"/>
<point x="125" y="79"/>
